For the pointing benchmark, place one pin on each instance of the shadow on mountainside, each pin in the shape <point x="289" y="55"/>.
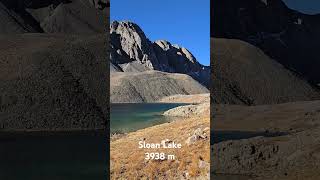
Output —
<point x="220" y="136"/>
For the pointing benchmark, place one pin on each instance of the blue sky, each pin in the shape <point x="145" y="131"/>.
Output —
<point x="183" y="22"/>
<point x="305" y="6"/>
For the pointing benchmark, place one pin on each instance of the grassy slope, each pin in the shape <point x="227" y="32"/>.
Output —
<point x="127" y="160"/>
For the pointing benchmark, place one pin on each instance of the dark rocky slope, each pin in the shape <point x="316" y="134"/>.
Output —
<point x="55" y="75"/>
<point x="150" y="86"/>
<point x="52" y="82"/>
<point x="288" y="36"/>
<point x="243" y="74"/>
<point x="12" y="23"/>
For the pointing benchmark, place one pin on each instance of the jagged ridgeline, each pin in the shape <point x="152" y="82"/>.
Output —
<point x="143" y="71"/>
<point x="53" y="16"/>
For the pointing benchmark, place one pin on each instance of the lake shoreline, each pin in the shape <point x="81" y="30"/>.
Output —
<point x="181" y="102"/>
<point x="130" y="117"/>
<point x="179" y="131"/>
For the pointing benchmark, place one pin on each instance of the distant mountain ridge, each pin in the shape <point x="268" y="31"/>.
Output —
<point x="53" y="16"/>
<point x="288" y="36"/>
<point x="132" y="51"/>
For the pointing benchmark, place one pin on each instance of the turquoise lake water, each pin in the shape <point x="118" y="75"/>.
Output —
<point x="128" y="117"/>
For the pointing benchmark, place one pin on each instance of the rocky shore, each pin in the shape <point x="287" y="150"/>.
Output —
<point x="190" y="99"/>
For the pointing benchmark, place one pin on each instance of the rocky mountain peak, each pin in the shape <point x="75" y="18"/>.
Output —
<point x="131" y="51"/>
<point x="128" y="37"/>
<point x="126" y="27"/>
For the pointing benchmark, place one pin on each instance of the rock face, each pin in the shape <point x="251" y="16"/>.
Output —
<point x="243" y="74"/>
<point x="132" y="51"/>
<point x="150" y="86"/>
<point x="54" y="16"/>
<point x="289" y="37"/>
<point x="130" y="43"/>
